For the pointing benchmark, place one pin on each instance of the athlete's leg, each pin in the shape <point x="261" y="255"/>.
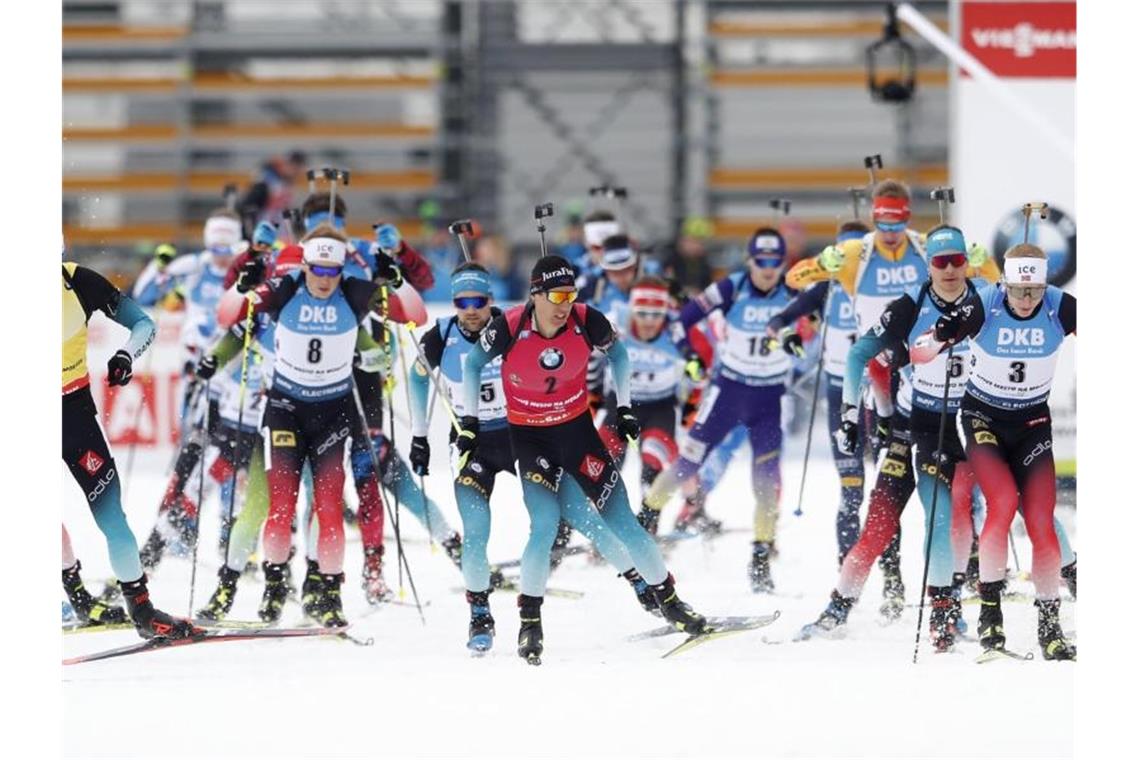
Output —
<point x="370" y="514"/>
<point x="937" y="537"/>
<point x="961" y="521"/>
<point x="473" y="488"/>
<point x="893" y="487"/>
<point x="243" y="537"/>
<point x="850" y="469"/>
<point x="284" y="445"/>
<point x="766" y="438"/>
<point x="719" y="413"/>
<point x="85" y="452"/>
<point x="68" y="554"/>
<point x="577" y="510"/>
<point x="540" y="497"/>
<point x="325" y="451"/>
<point x="1036" y="477"/>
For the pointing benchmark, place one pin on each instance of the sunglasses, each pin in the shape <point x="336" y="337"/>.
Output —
<point x="561" y="296"/>
<point x="470" y="302"/>
<point x="1025" y="291"/>
<point x="322" y="271"/>
<point x="948" y="260"/>
<point x="649" y="313"/>
<point x="891" y="226"/>
<point x="767" y="262"/>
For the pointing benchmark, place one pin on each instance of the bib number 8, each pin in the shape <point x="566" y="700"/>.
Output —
<point x="314" y="351"/>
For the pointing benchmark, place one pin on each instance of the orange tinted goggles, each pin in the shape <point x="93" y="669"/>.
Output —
<point x="562" y="296"/>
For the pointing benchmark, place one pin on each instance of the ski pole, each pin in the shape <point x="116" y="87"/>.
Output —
<point x="386" y="390"/>
<point x="237" y="439"/>
<point x="402" y="562"/>
<point x="440" y="394"/>
<point x="202" y="425"/>
<point x="814" y="401"/>
<point x="934" y="498"/>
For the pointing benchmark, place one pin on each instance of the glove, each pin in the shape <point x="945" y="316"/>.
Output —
<point x="948" y="327"/>
<point x="831" y="259"/>
<point x="388" y="269"/>
<point x="119" y="368"/>
<point x="207" y="366"/>
<point x="977" y="254"/>
<point x="468" y="438"/>
<point x="251" y="273"/>
<point x="848" y="432"/>
<point x="163" y="255"/>
<point x="388" y="238"/>
<point x="695" y="367"/>
<point x="648" y="518"/>
<point x="627" y="424"/>
<point x="264" y="235"/>
<point x="792" y="342"/>
<point x="881" y="434"/>
<point x="420" y="454"/>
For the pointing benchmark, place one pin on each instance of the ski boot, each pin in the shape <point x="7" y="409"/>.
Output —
<point x="642" y="590"/>
<point x="942" y="628"/>
<point x="674" y="610"/>
<point x="759" y="570"/>
<point x="453" y="545"/>
<point x="150" y="622"/>
<point x="481" y="630"/>
<point x="330" y="613"/>
<point x="1069" y="573"/>
<point x="311" y="590"/>
<point x="530" y="630"/>
<point x="648" y="517"/>
<point x="991" y="631"/>
<point x="894" y="592"/>
<point x="223" y="598"/>
<point x="275" y="594"/>
<point x="1052" y="639"/>
<point x="376" y="590"/>
<point x="832" y="620"/>
<point x="693" y="517"/>
<point x="88" y="609"/>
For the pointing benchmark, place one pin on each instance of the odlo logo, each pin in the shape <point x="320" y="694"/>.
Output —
<point x="101" y="486"/>
<point x="551" y="358"/>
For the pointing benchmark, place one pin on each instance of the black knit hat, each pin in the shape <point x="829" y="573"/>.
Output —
<point x="551" y="272"/>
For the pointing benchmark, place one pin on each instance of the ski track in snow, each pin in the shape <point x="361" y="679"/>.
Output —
<point x="417" y="692"/>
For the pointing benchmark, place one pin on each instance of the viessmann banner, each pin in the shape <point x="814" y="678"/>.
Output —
<point x="999" y="161"/>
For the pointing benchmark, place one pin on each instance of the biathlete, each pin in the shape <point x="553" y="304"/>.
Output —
<point x="545" y="346"/>
<point x="1007" y="430"/>
<point x="85" y="450"/>
<point x="749" y="378"/>
<point x="446" y="346"/>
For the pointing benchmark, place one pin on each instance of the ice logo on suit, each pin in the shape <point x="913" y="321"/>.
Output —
<point x="551" y="358"/>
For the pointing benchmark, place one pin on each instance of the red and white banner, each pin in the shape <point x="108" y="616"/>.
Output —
<point x="1037" y="40"/>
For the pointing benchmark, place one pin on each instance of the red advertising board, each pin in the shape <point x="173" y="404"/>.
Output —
<point x="1028" y="40"/>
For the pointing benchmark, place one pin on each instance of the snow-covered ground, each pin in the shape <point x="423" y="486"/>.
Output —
<point x="416" y="692"/>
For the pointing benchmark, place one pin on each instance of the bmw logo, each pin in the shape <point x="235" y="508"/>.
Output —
<point x="551" y="358"/>
<point x="1056" y="234"/>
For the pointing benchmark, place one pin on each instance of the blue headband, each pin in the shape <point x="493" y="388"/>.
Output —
<point x="470" y="281"/>
<point x="313" y="220"/>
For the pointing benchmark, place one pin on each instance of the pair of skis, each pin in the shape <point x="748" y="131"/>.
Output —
<point x="218" y="632"/>
<point x="715" y="628"/>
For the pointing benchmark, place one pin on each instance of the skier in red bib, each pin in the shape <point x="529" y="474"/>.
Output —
<point x="545" y="344"/>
